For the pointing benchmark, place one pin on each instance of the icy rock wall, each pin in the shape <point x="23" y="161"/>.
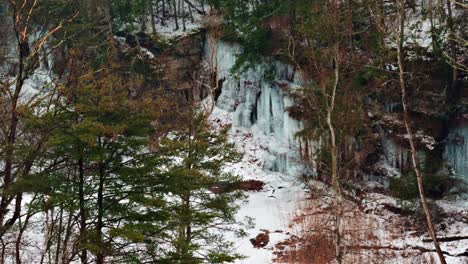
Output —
<point x="398" y="156"/>
<point x="258" y="101"/>
<point x="456" y="150"/>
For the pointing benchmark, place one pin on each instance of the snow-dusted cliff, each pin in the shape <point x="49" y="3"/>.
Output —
<point x="258" y="100"/>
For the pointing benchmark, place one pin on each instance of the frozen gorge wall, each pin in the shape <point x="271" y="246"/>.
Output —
<point x="455" y="149"/>
<point x="258" y="102"/>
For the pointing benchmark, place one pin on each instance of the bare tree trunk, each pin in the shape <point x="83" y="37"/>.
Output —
<point x="83" y="255"/>
<point x="109" y="15"/>
<point x="190" y="13"/>
<point x="331" y="129"/>
<point x="188" y="226"/>
<point x="182" y="13"/>
<point x="68" y="231"/>
<point x="100" y="256"/>
<point x="18" y="244"/>
<point x="143" y="18"/>
<point x="174" y="5"/>
<point x="163" y="17"/>
<point x="404" y="101"/>
<point x="2" y="259"/>
<point x="431" y="19"/>
<point x="339" y="254"/>
<point x="59" y="236"/>
<point x="6" y="199"/>
<point x="153" y="20"/>
<point x="50" y="229"/>
<point x="452" y="48"/>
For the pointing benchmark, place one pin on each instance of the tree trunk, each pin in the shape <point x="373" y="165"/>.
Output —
<point x="182" y="13"/>
<point x="190" y="12"/>
<point x="174" y="5"/>
<point x="414" y="161"/>
<point x="188" y="228"/>
<point x="153" y="20"/>
<point x="100" y="207"/>
<point x="163" y="17"/>
<point x="81" y="194"/>
<point x="59" y="236"/>
<point x="11" y="140"/>
<point x="452" y="50"/>
<point x="338" y="201"/>
<point x="143" y="19"/>
<point x="331" y="129"/>
<point x="18" y="245"/>
<point x="67" y="238"/>
<point x="2" y="258"/>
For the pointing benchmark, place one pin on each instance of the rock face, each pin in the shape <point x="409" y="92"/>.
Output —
<point x="179" y="62"/>
<point x="258" y="99"/>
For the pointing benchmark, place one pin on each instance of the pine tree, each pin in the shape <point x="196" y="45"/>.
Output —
<point x="134" y="202"/>
<point x="105" y="136"/>
<point x="193" y="158"/>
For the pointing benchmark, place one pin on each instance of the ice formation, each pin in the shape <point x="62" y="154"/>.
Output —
<point x="257" y="100"/>
<point x="456" y="150"/>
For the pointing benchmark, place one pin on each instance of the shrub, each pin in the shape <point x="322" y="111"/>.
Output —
<point x="406" y="186"/>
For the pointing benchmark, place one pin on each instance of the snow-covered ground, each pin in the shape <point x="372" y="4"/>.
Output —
<point x="395" y="230"/>
<point x="272" y="208"/>
<point x="284" y="200"/>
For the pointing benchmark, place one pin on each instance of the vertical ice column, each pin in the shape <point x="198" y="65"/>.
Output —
<point x="396" y="155"/>
<point x="456" y="151"/>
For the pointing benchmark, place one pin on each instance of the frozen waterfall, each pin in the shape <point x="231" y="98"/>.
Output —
<point x="257" y="101"/>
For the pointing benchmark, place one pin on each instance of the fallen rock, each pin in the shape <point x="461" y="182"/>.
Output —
<point x="248" y="185"/>
<point x="251" y="185"/>
<point x="261" y="240"/>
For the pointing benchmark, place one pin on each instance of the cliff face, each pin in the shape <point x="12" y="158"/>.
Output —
<point x="258" y="98"/>
<point x="440" y="127"/>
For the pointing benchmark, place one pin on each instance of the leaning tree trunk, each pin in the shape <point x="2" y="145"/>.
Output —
<point x="414" y="161"/>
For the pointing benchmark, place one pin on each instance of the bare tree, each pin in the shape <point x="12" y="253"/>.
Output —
<point x="400" y="37"/>
<point x="27" y="47"/>
<point x="27" y="59"/>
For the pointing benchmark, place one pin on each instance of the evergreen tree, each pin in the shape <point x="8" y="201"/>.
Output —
<point x="199" y="219"/>
<point x="136" y="203"/>
<point x="105" y="137"/>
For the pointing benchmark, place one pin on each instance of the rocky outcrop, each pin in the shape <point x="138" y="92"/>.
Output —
<point x="180" y="62"/>
<point x="173" y="63"/>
